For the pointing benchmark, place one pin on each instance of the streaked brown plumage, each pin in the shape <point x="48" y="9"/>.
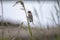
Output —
<point x="30" y="17"/>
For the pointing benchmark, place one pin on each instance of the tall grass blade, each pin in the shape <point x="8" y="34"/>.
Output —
<point x="2" y="20"/>
<point x="21" y="2"/>
<point x="36" y="13"/>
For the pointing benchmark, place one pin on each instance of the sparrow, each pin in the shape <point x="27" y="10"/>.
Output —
<point x="30" y="17"/>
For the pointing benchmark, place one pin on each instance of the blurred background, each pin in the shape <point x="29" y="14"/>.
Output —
<point x="44" y="12"/>
<point x="46" y="20"/>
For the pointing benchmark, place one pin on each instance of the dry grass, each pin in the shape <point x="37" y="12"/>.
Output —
<point x="38" y="34"/>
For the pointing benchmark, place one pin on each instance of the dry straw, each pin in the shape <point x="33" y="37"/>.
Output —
<point x="29" y="29"/>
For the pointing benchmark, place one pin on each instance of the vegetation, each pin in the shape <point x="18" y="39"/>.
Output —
<point x="21" y="2"/>
<point x="34" y="33"/>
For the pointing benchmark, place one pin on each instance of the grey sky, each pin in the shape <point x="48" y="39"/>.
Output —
<point x="15" y="14"/>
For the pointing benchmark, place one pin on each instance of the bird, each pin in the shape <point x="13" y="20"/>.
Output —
<point x="30" y="17"/>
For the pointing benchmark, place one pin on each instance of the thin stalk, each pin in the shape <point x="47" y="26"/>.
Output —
<point x="36" y="13"/>
<point x="8" y="30"/>
<point x="58" y="15"/>
<point x="2" y="20"/>
<point x="28" y="25"/>
<point x="58" y="3"/>
<point x="29" y="29"/>
<point x="41" y="14"/>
